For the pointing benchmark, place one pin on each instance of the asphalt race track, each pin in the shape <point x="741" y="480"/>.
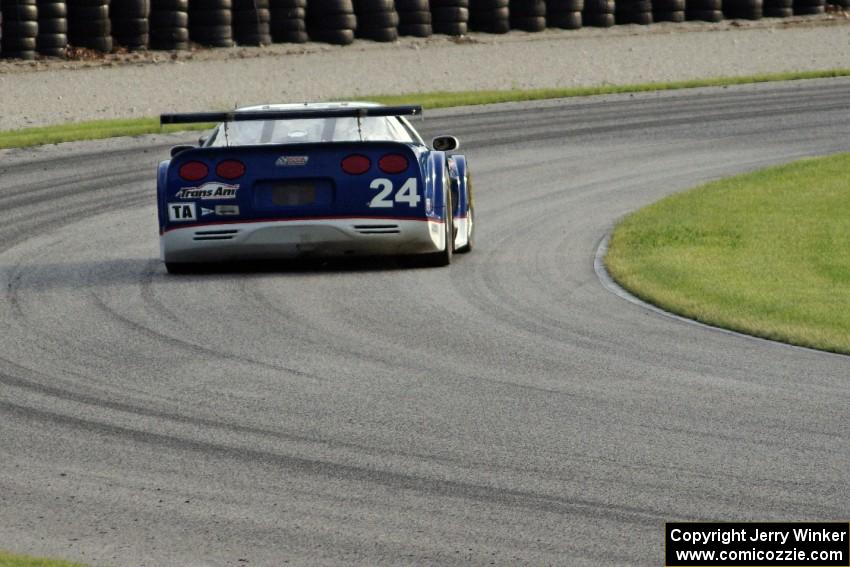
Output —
<point x="507" y="410"/>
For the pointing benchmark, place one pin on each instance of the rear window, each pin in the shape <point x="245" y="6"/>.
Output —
<point x="371" y="129"/>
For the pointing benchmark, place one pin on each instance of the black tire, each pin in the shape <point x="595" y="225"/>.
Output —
<point x="51" y="41"/>
<point x="254" y="39"/>
<point x="337" y="22"/>
<point x="639" y="18"/>
<point x="14" y="29"/>
<point x="249" y="5"/>
<point x="52" y="10"/>
<point x="809" y="10"/>
<point x="287" y="4"/>
<point x="253" y="17"/>
<point x="599" y="7"/>
<point x="704" y="15"/>
<point x="528" y="9"/>
<point x="290" y="37"/>
<point x="288" y="13"/>
<point x="331" y="7"/>
<point x="444" y="257"/>
<point x="169" y="5"/>
<point x="564" y="6"/>
<point x="450" y="14"/>
<point x="52" y="26"/>
<point x="413" y="18"/>
<point x="528" y="24"/>
<point x="676" y="16"/>
<point x="132" y="10"/>
<point x="378" y="20"/>
<point x="166" y="36"/>
<point x="378" y="34"/>
<point x="130" y="27"/>
<point x="705" y="5"/>
<point x="28" y="55"/>
<point x="20" y="44"/>
<point x="450" y="28"/>
<point x="89" y="28"/>
<point x="772" y="12"/>
<point x="490" y="15"/>
<point x="168" y="20"/>
<point x="210" y="18"/>
<point x="633" y="6"/>
<point x="668" y="5"/>
<point x="104" y="44"/>
<point x="416" y="30"/>
<point x="283" y="26"/>
<point x="78" y="14"/>
<point x="335" y="37"/>
<point x="20" y="13"/>
<point x="597" y="20"/>
<point x="413" y="5"/>
<point x="498" y="26"/>
<point x="565" y="21"/>
<point x="373" y="6"/>
<point x="167" y="44"/>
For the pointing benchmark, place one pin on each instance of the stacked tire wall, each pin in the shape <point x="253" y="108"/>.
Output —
<point x="376" y="19"/>
<point x="52" y="28"/>
<point x="564" y="14"/>
<point x="778" y="8"/>
<point x="528" y="15"/>
<point x="633" y="12"/>
<point x="668" y="10"/>
<point x="490" y="16"/>
<point x="251" y="22"/>
<point x="808" y="7"/>
<point x="331" y="21"/>
<point x="450" y="17"/>
<point x="414" y="17"/>
<point x="20" y="28"/>
<point x="130" y="25"/>
<point x="288" y="24"/>
<point x="705" y="10"/>
<point x="598" y="13"/>
<point x="89" y="25"/>
<point x="169" y="24"/>
<point x="210" y="22"/>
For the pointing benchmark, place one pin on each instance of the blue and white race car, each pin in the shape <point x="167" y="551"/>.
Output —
<point x="332" y="179"/>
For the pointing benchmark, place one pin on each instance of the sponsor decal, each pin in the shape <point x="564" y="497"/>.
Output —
<point x="292" y="161"/>
<point x="182" y="212"/>
<point x="209" y="190"/>
<point x="227" y="210"/>
<point x="205" y="211"/>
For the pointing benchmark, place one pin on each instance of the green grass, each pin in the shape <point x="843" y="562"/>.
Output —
<point x="98" y="129"/>
<point x="9" y="560"/>
<point x="767" y="253"/>
<point x="92" y="130"/>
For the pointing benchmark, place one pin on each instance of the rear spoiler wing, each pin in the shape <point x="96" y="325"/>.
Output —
<point x="239" y="116"/>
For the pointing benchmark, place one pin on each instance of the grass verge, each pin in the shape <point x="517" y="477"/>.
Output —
<point x="109" y="128"/>
<point x="766" y="253"/>
<point x="9" y="560"/>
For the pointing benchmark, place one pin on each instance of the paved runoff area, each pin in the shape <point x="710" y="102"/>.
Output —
<point x="136" y="85"/>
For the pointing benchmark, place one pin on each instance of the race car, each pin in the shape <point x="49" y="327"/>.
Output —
<point x="325" y="179"/>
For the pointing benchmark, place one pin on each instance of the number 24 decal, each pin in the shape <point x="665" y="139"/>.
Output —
<point x="406" y="194"/>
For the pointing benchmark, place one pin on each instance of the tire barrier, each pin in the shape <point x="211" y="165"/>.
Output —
<point x="668" y="10"/>
<point x="52" y="39"/>
<point x="564" y="14"/>
<point x="20" y="28"/>
<point x="414" y="17"/>
<point x="331" y="21"/>
<point x="705" y="10"/>
<point x="251" y="20"/>
<point x="778" y="8"/>
<point x="633" y="12"/>
<point x="210" y="22"/>
<point x="809" y="7"/>
<point x="528" y="15"/>
<point x="450" y="17"/>
<point x="490" y="16"/>
<point x="743" y="9"/>
<point x="169" y="25"/>
<point x="598" y="13"/>
<point x="89" y="25"/>
<point x="288" y="23"/>
<point x="130" y="24"/>
<point x="377" y="20"/>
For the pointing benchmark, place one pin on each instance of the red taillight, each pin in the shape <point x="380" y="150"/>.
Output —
<point x="193" y="171"/>
<point x="392" y="163"/>
<point x="356" y="164"/>
<point x="230" y="169"/>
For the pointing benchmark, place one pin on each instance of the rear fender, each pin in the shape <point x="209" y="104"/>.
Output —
<point x="459" y="175"/>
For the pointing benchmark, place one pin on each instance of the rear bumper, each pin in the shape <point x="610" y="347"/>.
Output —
<point x="308" y="237"/>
